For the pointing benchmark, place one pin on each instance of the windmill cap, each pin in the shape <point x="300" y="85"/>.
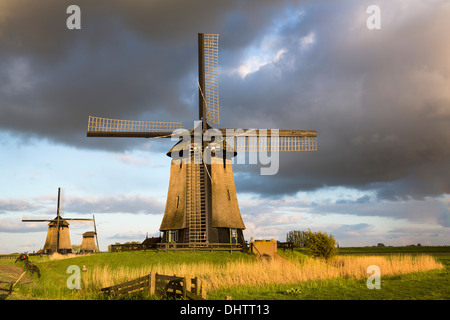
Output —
<point x="179" y="149"/>
<point x="62" y="222"/>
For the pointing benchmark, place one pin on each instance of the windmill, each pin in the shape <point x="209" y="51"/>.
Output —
<point x="58" y="238"/>
<point x="87" y="243"/>
<point x="202" y="207"/>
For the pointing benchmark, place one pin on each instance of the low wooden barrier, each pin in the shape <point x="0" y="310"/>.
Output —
<point x="10" y="256"/>
<point x="285" y="245"/>
<point x="131" y="247"/>
<point x="162" y="285"/>
<point x="207" y="247"/>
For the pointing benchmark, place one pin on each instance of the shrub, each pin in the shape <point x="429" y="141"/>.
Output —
<point x="320" y="244"/>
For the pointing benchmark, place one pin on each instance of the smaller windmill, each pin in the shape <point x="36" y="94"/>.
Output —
<point x="58" y="237"/>
<point x="88" y="243"/>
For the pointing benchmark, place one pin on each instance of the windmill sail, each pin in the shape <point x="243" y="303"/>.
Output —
<point x="257" y="140"/>
<point x="61" y="197"/>
<point x="278" y="144"/>
<point x="104" y="127"/>
<point x="210" y="70"/>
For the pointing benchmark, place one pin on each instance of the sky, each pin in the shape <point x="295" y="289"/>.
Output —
<point x="379" y="99"/>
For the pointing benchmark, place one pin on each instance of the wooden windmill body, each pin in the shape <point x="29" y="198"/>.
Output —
<point x="58" y="236"/>
<point x="202" y="206"/>
<point x="88" y="242"/>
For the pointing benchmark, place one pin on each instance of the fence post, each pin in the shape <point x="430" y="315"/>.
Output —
<point x="203" y="291"/>
<point x="151" y="283"/>
<point x="195" y="283"/>
<point x="186" y="285"/>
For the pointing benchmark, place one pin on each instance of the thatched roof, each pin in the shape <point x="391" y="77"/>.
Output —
<point x="89" y="234"/>
<point x="62" y="222"/>
<point x="152" y="240"/>
<point x="179" y="150"/>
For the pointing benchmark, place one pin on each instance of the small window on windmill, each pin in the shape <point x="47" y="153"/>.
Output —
<point x="233" y="236"/>
<point x="172" y="236"/>
<point x="229" y="197"/>
<point x="178" y="201"/>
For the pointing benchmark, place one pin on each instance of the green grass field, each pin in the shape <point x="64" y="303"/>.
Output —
<point x="429" y="285"/>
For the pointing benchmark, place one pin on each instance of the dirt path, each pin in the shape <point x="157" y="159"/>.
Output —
<point x="8" y="275"/>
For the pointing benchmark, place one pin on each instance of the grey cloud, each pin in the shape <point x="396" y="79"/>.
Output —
<point x="115" y="204"/>
<point x="377" y="98"/>
<point x="130" y="60"/>
<point x="353" y="227"/>
<point x="360" y="200"/>
<point x="46" y="207"/>
<point x="134" y="236"/>
<point x="14" y="225"/>
<point x="14" y="205"/>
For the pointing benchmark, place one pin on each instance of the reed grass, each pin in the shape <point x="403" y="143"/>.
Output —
<point x="284" y="269"/>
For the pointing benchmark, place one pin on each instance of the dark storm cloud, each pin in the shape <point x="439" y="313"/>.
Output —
<point x="378" y="99"/>
<point x="131" y="60"/>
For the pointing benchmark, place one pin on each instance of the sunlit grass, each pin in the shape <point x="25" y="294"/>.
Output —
<point x="238" y="274"/>
<point x="290" y="269"/>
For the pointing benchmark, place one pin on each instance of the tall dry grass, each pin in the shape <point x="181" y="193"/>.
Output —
<point x="279" y="270"/>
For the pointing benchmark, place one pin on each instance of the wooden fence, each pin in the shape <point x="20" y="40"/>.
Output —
<point x="131" y="247"/>
<point x="162" y="285"/>
<point x="10" y="256"/>
<point x="285" y="245"/>
<point x="208" y="247"/>
<point x="177" y="246"/>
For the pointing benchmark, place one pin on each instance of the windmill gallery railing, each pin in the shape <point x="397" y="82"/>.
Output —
<point x="131" y="247"/>
<point x="178" y="246"/>
<point x="210" y="246"/>
<point x="161" y="285"/>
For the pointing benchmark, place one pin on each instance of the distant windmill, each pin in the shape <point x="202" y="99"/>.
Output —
<point x="58" y="238"/>
<point x="202" y="206"/>
<point x="88" y="243"/>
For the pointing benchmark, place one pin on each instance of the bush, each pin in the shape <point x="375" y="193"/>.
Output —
<point x="320" y="245"/>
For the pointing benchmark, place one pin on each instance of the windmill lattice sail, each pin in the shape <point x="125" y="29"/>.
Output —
<point x="211" y="70"/>
<point x="257" y="140"/>
<point x="272" y="144"/>
<point x="104" y="127"/>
